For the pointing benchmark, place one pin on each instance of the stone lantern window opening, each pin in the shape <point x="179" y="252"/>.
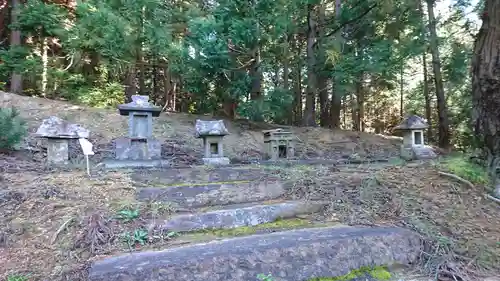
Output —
<point x="214" y="149"/>
<point x="282" y="151"/>
<point x="418" y="137"/>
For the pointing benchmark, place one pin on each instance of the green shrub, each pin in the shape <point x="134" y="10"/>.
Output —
<point x="461" y="166"/>
<point x="107" y="96"/>
<point x="12" y="127"/>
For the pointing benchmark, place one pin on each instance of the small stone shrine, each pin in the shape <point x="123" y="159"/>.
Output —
<point x="140" y="144"/>
<point x="279" y="144"/>
<point x="413" y="147"/>
<point x="58" y="133"/>
<point x="212" y="133"/>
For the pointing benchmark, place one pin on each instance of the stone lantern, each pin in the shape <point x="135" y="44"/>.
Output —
<point x="279" y="144"/>
<point x="140" y="144"/>
<point x="58" y="133"/>
<point x="212" y="133"/>
<point x="413" y="146"/>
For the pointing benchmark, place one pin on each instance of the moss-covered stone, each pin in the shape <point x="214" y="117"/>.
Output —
<point x="197" y="183"/>
<point x="248" y="230"/>
<point x="379" y="273"/>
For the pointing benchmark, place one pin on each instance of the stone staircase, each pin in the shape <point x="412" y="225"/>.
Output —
<point x="248" y="196"/>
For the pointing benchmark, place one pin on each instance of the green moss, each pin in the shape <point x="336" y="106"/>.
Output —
<point x="248" y="230"/>
<point x="378" y="272"/>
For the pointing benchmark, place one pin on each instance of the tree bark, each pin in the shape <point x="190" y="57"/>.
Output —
<point x="444" y="131"/>
<point x="16" y="79"/>
<point x="427" y="97"/>
<point x="309" y="118"/>
<point x="336" y="101"/>
<point x="324" y="116"/>
<point x="130" y="83"/>
<point x="486" y="85"/>
<point x="297" y="101"/>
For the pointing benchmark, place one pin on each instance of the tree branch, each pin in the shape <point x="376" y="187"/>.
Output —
<point x="344" y="24"/>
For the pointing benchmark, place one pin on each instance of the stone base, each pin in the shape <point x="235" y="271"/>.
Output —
<point x="127" y="149"/>
<point x="288" y="256"/>
<point x="57" y="151"/>
<point x="216" y="161"/>
<point x="420" y="152"/>
<point x="136" y="164"/>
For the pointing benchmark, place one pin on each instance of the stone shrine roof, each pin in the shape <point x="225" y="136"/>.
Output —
<point x="55" y="127"/>
<point x="139" y="104"/>
<point x="210" y="128"/>
<point x="412" y="122"/>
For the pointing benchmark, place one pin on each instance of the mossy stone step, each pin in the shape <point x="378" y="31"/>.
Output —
<point x="240" y="215"/>
<point x="297" y="255"/>
<point x="210" y="194"/>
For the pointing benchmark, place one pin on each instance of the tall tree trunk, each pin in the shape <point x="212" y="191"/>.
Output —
<point x="286" y="74"/>
<point x="45" y="65"/>
<point x="309" y="118"/>
<point x="427" y="97"/>
<point x="255" y="74"/>
<point x="324" y="116"/>
<point x="16" y="80"/>
<point x="401" y="92"/>
<point x="130" y="84"/>
<point x="336" y="101"/>
<point x="486" y="86"/>
<point x="297" y="101"/>
<point x="444" y="131"/>
<point x="354" y="113"/>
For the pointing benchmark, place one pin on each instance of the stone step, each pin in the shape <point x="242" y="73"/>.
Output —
<point x="210" y="194"/>
<point x="234" y="216"/>
<point x="175" y="176"/>
<point x="295" y="255"/>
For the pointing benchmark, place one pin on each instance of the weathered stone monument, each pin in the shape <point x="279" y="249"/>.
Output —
<point x="212" y="133"/>
<point x="413" y="147"/>
<point x="58" y="133"/>
<point x="140" y="144"/>
<point x="279" y="144"/>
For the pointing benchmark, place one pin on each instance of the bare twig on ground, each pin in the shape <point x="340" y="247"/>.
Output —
<point x="63" y="226"/>
<point x="462" y="180"/>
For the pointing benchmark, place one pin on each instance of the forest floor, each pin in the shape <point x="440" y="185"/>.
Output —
<point x="55" y="222"/>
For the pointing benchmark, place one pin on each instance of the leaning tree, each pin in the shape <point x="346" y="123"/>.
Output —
<point x="486" y="85"/>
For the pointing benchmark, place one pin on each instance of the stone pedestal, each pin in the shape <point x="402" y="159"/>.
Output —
<point x="137" y="149"/>
<point x="212" y="133"/>
<point x="57" y="151"/>
<point x="279" y="144"/>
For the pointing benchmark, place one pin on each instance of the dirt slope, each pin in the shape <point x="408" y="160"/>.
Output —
<point x="176" y="131"/>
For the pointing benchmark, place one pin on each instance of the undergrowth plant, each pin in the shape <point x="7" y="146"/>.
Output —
<point x="139" y="236"/>
<point x="12" y="127"/>
<point x="128" y="215"/>
<point x="466" y="169"/>
<point x="17" y="277"/>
